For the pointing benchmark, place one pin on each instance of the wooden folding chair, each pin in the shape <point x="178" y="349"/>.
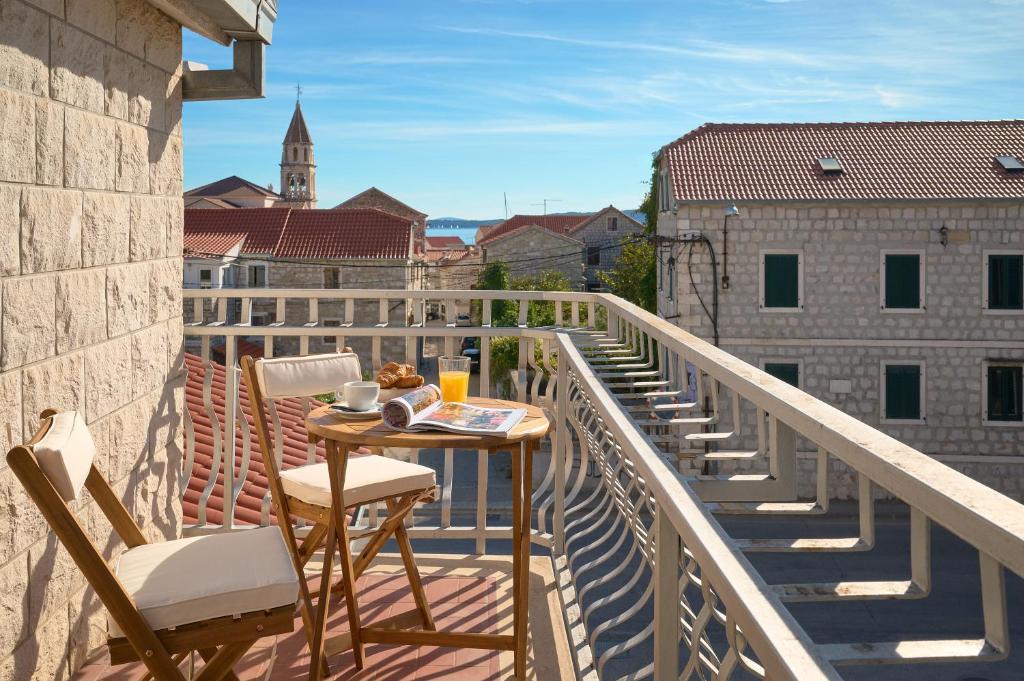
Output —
<point x="214" y="595"/>
<point x="305" y="491"/>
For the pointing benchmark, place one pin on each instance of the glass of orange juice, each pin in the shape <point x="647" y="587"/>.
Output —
<point x="454" y="375"/>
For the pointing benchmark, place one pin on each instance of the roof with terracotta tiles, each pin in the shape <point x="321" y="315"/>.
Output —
<point x="230" y="184"/>
<point x="344" y="234"/>
<point x="559" y="224"/>
<point x="205" y="244"/>
<point x="375" y="198"/>
<point x="899" y="160"/>
<point x="261" y="227"/>
<point x="445" y="241"/>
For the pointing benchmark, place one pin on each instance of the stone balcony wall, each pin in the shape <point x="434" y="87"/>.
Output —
<point x="90" y="260"/>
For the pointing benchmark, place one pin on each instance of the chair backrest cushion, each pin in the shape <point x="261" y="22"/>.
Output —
<point x="306" y="376"/>
<point x="66" y="453"/>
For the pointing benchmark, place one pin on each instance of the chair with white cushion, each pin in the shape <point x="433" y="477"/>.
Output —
<point x="214" y="595"/>
<point x="305" y="491"/>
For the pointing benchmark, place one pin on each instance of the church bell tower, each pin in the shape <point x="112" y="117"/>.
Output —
<point x="298" y="168"/>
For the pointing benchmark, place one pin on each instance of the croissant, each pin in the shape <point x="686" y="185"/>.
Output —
<point x="391" y="366"/>
<point x="387" y="379"/>
<point x="413" y="381"/>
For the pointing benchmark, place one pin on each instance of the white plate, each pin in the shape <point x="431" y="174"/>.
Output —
<point x="341" y="409"/>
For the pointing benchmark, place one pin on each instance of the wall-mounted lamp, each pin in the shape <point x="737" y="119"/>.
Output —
<point x="731" y="211"/>
<point x="944" y="236"/>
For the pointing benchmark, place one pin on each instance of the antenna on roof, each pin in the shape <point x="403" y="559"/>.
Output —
<point x="545" y="202"/>
<point x="505" y="194"/>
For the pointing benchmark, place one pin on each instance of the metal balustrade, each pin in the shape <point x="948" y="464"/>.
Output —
<point x="657" y="432"/>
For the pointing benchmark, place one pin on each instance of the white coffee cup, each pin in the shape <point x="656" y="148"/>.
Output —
<point x="361" y="395"/>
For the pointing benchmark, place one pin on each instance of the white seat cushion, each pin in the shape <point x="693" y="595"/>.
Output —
<point x="190" y="580"/>
<point x="366" y="478"/>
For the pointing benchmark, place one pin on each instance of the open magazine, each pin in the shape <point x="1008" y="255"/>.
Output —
<point x="423" y="409"/>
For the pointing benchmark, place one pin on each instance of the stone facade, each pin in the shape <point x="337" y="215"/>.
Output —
<point x="604" y="232"/>
<point x="533" y="250"/>
<point x="841" y="333"/>
<point x="90" y="259"/>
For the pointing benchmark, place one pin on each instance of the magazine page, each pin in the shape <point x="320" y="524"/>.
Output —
<point x="405" y="410"/>
<point x="464" y="418"/>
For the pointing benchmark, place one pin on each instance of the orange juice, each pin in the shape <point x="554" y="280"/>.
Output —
<point x="454" y="386"/>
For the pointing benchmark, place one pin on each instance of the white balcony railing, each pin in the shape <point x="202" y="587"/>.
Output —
<point x="651" y="583"/>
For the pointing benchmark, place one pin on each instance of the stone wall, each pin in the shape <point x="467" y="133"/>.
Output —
<point x="842" y="333"/>
<point x="536" y="250"/>
<point x="90" y="259"/>
<point x="597" y="234"/>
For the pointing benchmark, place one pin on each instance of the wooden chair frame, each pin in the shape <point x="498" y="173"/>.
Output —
<point x="221" y="642"/>
<point x="324" y="526"/>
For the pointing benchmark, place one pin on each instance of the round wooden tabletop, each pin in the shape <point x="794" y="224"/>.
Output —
<point x="328" y="424"/>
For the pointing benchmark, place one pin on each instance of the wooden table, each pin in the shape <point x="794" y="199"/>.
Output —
<point x="341" y="436"/>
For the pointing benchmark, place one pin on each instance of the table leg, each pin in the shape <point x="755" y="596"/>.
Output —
<point x="337" y="462"/>
<point x="517" y="541"/>
<point x="522" y="570"/>
<point x="316" y="649"/>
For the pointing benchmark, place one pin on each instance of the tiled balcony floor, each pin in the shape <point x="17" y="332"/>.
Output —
<point x="468" y="593"/>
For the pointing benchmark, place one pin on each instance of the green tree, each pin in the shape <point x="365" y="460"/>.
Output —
<point x="634" y="276"/>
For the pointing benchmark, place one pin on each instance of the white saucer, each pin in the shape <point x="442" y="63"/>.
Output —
<point x="341" y="408"/>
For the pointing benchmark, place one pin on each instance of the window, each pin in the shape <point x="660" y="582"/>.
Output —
<point x="205" y="279"/>
<point x="902" y="285"/>
<point x="784" y="371"/>
<point x="593" y="256"/>
<point x="1003" y="393"/>
<point x="903" y="392"/>
<point x="613" y="224"/>
<point x="830" y="166"/>
<point x="331" y="323"/>
<point x="332" y="277"/>
<point x="258" y="276"/>
<point x="781" y="280"/>
<point x="1004" y="281"/>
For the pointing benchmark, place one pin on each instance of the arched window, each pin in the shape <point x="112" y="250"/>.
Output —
<point x="305" y="155"/>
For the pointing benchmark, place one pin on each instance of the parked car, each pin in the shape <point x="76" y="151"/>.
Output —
<point x="462" y="320"/>
<point x="471" y="348"/>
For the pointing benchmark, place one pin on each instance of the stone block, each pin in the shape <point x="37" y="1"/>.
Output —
<point x="117" y="81"/>
<point x="146" y="96"/>
<point x="49" y="143"/>
<point x="172" y="104"/>
<point x="163" y="43"/>
<point x="55" y="7"/>
<point x="108" y="377"/>
<point x="89" y="150"/>
<point x="106" y="226"/>
<point x="127" y="298"/>
<point x="10" y="230"/>
<point x="17" y="137"/>
<point x="10" y="413"/>
<point x="14" y="604"/>
<point x="165" y="409"/>
<point x="22" y="524"/>
<point x="81" y="309"/>
<point x="129" y="440"/>
<point x="157" y="500"/>
<point x="24" y="53"/>
<point x="88" y="626"/>
<point x="51" y="230"/>
<point x="76" y="67"/>
<point x="53" y="577"/>
<point x="175" y="349"/>
<point x="165" y="290"/>
<point x="175" y="226"/>
<point x="97" y="17"/>
<point x="57" y="384"/>
<point x="149" y="228"/>
<point x="28" y="323"/>
<point x="43" y="655"/>
<point x="132" y="159"/>
<point x="165" y="164"/>
<point x="149" y="360"/>
<point x="134" y="22"/>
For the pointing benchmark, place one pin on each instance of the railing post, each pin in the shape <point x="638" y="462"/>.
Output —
<point x="666" y="599"/>
<point x="230" y="414"/>
<point x="559" y="442"/>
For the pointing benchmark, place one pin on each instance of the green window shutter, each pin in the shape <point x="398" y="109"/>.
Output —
<point x="903" y="392"/>
<point x="1006" y="282"/>
<point x="781" y="280"/>
<point x="1005" y="393"/>
<point x="784" y="371"/>
<point x="902" y="281"/>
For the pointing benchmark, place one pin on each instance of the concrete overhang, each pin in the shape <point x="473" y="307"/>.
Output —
<point x="248" y="24"/>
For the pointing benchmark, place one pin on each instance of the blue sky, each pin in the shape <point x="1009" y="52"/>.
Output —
<point x="447" y="104"/>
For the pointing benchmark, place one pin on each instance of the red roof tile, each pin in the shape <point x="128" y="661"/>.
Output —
<point x="262" y="227"/>
<point x="211" y="244"/>
<point x="444" y="241"/>
<point x="559" y="224"/>
<point x="229" y="184"/>
<point x="254" y="485"/>
<point x="910" y="160"/>
<point x="345" y="233"/>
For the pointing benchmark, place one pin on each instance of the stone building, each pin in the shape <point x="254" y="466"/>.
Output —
<point x="298" y="164"/>
<point x="577" y="245"/>
<point x="91" y="98"/>
<point x="231" y="192"/>
<point x="878" y="266"/>
<point x="305" y="249"/>
<point x="375" y="198"/>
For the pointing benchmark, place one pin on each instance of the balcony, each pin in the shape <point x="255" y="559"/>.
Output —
<point x="676" y="532"/>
